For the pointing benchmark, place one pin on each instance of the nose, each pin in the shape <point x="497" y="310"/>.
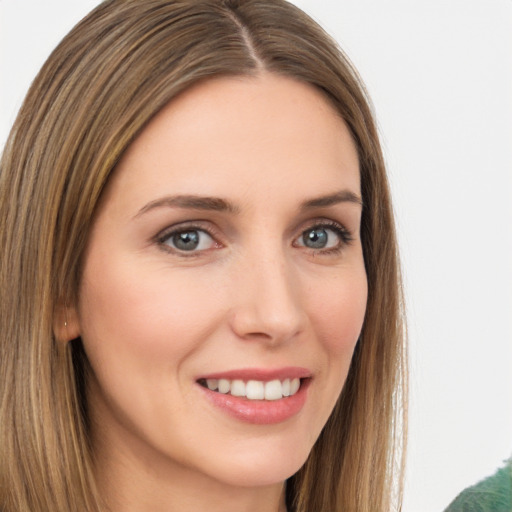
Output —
<point x="268" y="305"/>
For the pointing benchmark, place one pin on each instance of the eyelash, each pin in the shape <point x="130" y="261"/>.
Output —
<point x="168" y="233"/>
<point x="344" y="235"/>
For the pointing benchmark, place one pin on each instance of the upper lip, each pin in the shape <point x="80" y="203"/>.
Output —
<point x="261" y="374"/>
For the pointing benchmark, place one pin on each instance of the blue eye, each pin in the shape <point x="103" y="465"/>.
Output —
<point x="324" y="237"/>
<point x="317" y="238"/>
<point x="189" y="240"/>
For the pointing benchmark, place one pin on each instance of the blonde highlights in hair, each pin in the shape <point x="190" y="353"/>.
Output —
<point x="100" y="87"/>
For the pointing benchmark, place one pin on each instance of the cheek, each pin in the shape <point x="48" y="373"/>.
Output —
<point x="338" y="313"/>
<point x="140" y="323"/>
<point x="143" y="314"/>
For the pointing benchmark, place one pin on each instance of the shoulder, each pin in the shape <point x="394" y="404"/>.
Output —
<point x="493" y="494"/>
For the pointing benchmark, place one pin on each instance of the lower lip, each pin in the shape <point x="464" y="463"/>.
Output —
<point x="259" y="412"/>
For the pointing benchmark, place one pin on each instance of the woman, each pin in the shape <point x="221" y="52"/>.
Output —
<point x="152" y="162"/>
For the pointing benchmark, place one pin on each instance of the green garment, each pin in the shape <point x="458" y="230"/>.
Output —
<point x="494" y="494"/>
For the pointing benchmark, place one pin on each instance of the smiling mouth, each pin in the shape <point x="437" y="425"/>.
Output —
<point x="254" y="389"/>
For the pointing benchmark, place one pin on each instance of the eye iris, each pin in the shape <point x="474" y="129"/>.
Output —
<point x="186" y="241"/>
<point x="315" y="238"/>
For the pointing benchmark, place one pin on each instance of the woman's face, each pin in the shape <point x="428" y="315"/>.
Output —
<point x="225" y="254"/>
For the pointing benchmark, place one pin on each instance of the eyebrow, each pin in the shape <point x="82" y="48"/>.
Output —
<point x="217" y="204"/>
<point x="191" y="202"/>
<point x="343" y="196"/>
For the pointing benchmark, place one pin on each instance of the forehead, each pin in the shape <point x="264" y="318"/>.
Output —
<point x="254" y="135"/>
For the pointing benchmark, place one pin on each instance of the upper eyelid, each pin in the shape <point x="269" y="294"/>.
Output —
<point x="207" y="226"/>
<point x="198" y="225"/>
<point x="340" y="229"/>
<point x="324" y="222"/>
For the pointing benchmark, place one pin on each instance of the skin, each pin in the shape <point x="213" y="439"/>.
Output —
<point x="153" y="318"/>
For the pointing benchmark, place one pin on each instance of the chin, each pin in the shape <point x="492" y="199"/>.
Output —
<point x="264" y="468"/>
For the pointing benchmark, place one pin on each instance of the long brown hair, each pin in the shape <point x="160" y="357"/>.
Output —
<point x="100" y="87"/>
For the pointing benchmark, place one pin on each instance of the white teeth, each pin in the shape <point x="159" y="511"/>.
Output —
<point x="273" y="390"/>
<point x="294" y="386"/>
<point x="224" y="386"/>
<point x="286" y="387"/>
<point x="255" y="389"/>
<point x="238" y="388"/>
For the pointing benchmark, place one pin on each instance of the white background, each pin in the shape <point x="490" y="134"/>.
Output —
<point x="440" y="75"/>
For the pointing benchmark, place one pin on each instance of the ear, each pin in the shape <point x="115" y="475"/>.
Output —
<point x="66" y="326"/>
